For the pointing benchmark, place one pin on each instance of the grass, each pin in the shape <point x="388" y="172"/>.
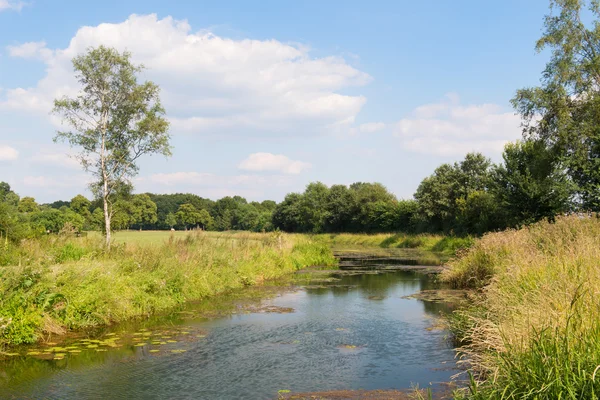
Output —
<point x="446" y="245"/>
<point x="534" y="332"/>
<point x="57" y="284"/>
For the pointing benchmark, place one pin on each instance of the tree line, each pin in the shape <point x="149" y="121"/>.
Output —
<point x="554" y="169"/>
<point x="472" y="196"/>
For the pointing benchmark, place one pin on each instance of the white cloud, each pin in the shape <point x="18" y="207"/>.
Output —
<point x="371" y="127"/>
<point x="8" y="153"/>
<point x="54" y="182"/>
<point x="31" y="50"/>
<point x="210" y="84"/>
<point x="273" y="162"/>
<point x="62" y="159"/>
<point x="448" y="128"/>
<point x="11" y="5"/>
<point x="207" y="179"/>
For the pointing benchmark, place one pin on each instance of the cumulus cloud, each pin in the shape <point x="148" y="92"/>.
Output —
<point x="448" y="128"/>
<point x="11" y="5"/>
<point x="210" y="84"/>
<point x="31" y="50"/>
<point x="8" y="153"/>
<point x="371" y="127"/>
<point x="273" y="162"/>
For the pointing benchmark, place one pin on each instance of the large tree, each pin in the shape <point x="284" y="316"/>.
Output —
<point x="114" y="121"/>
<point x="531" y="184"/>
<point x="564" y="111"/>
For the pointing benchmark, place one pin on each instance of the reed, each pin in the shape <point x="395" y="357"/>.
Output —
<point x="534" y="330"/>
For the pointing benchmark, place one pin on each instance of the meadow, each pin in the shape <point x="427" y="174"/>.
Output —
<point x="55" y="284"/>
<point x="533" y="330"/>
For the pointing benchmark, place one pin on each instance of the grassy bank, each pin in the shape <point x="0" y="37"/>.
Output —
<point x="57" y="284"/>
<point x="447" y="245"/>
<point x="535" y="331"/>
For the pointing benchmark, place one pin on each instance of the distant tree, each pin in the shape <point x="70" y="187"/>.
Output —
<point x="81" y="205"/>
<point x="532" y="184"/>
<point x="58" y="204"/>
<point x="438" y="194"/>
<point x="124" y="214"/>
<point x="479" y="212"/>
<point x="340" y="209"/>
<point x="188" y="215"/>
<point x="407" y="219"/>
<point x="171" y="220"/>
<point x="144" y="210"/>
<point x="28" y="205"/>
<point x="204" y="219"/>
<point x="287" y="216"/>
<point x="114" y="121"/>
<point x="98" y="219"/>
<point x="7" y="195"/>
<point x="49" y="219"/>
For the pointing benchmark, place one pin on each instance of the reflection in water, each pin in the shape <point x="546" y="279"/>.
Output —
<point x="352" y="332"/>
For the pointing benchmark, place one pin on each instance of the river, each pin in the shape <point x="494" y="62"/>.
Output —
<point x="323" y="331"/>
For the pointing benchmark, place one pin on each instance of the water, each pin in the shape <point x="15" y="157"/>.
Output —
<point x="353" y="333"/>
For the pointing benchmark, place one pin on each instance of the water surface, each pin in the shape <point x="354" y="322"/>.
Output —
<point x="333" y="331"/>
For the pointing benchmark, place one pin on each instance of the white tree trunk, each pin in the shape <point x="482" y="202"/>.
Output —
<point x="106" y="215"/>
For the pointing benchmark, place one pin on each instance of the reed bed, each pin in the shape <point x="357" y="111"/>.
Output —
<point x="533" y="331"/>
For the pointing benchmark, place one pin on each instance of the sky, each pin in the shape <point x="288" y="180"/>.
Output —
<point x="264" y="97"/>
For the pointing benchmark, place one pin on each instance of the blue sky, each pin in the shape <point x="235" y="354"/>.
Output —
<point x="265" y="97"/>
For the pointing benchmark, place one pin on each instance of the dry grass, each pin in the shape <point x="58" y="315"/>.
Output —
<point x="539" y="286"/>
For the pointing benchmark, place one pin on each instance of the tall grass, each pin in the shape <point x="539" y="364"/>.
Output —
<point x="56" y="284"/>
<point x="534" y="333"/>
<point x="444" y="244"/>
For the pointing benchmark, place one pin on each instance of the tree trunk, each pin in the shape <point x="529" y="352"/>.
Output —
<point x="106" y="214"/>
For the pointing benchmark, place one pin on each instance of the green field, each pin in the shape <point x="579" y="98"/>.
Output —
<point x="143" y="237"/>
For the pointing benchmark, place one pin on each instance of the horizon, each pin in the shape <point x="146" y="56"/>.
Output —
<point x="264" y="99"/>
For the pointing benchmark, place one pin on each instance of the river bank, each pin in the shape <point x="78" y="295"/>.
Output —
<point x="431" y="249"/>
<point x="51" y="286"/>
<point x="533" y="332"/>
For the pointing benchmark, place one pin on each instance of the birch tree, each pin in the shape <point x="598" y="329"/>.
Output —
<point x="113" y="121"/>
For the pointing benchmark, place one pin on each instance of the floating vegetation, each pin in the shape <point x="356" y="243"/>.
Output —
<point x="178" y="351"/>
<point x="74" y="351"/>
<point x="154" y="351"/>
<point x="140" y="344"/>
